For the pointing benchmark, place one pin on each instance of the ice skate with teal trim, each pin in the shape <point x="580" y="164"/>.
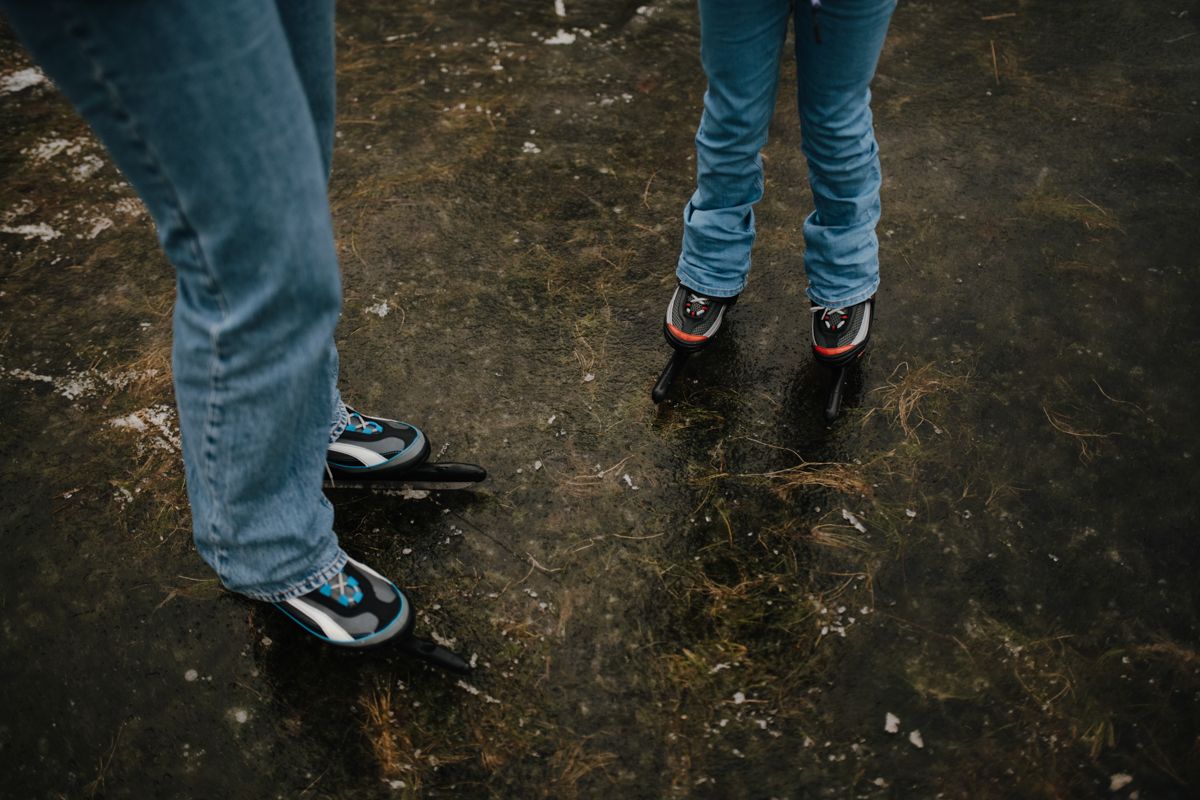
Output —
<point x="381" y="453"/>
<point x="359" y="608"/>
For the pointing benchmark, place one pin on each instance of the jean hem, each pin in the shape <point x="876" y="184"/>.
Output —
<point x="687" y="277"/>
<point x="849" y="300"/>
<point x="317" y="578"/>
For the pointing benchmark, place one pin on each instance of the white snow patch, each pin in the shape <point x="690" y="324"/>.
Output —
<point x="99" y="224"/>
<point x="1119" y="781"/>
<point x="49" y="148"/>
<point x="854" y="520"/>
<point x="739" y="698"/>
<point x="891" y="723"/>
<point x="379" y="309"/>
<point x="469" y="689"/>
<point x="71" y="387"/>
<point x="21" y="79"/>
<point x="562" y="37"/>
<point x="89" y="166"/>
<point x="560" y="8"/>
<point x="916" y="740"/>
<point x="530" y="147"/>
<point x="40" y="231"/>
<point x="26" y="375"/>
<point x="908" y="512"/>
<point x="449" y="644"/>
<point x="129" y="207"/>
<point x="629" y="481"/>
<point x="591" y="376"/>
<point x="191" y="675"/>
<point x="155" y="421"/>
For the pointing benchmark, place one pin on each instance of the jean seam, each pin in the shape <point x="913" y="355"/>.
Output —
<point x="77" y="29"/>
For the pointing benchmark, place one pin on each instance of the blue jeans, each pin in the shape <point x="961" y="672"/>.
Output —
<point x="220" y="113"/>
<point x="740" y="47"/>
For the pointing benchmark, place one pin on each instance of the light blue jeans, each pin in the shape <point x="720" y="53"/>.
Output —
<point x="220" y="113"/>
<point x="740" y="47"/>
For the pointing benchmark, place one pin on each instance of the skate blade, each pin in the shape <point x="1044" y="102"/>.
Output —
<point x="833" y="402"/>
<point x="670" y="372"/>
<point x="441" y="476"/>
<point x="431" y="653"/>
<point x="400" y="487"/>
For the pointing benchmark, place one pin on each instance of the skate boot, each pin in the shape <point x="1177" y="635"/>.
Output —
<point x="839" y="338"/>
<point x="692" y="322"/>
<point x="374" y="444"/>
<point x="379" y="453"/>
<point x="693" y="319"/>
<point x="360" y="608"/>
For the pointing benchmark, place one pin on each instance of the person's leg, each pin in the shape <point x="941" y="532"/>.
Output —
<point x="834" y="73"/>
<point x="201" y="107"/>
<point x="308" y="26"/>
<point x="358" y="444"/>
<point x="740" y="44"/>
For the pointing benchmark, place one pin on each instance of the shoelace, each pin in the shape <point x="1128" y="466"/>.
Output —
<point x="826" y="312"/>
<point x="696" y="305"/>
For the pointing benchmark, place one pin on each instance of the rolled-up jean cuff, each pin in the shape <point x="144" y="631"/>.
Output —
<point x="330" y="565"/>
<point x="687" y="276"/>
<point x="849" y="300"/>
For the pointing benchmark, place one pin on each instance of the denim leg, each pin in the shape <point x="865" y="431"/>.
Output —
<point x="740" y="45"/>
<point x="341" y="417"/>
<point x="201" y="107"/>
<point x="841" y="253"/>
<point x="308" y="25"/>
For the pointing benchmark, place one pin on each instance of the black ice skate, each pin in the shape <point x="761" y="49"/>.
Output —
<point x="378" y="453"/>
<point x="840" y="337"/>
<point x="692" y="321"/>
<point x="360" y="608"/>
